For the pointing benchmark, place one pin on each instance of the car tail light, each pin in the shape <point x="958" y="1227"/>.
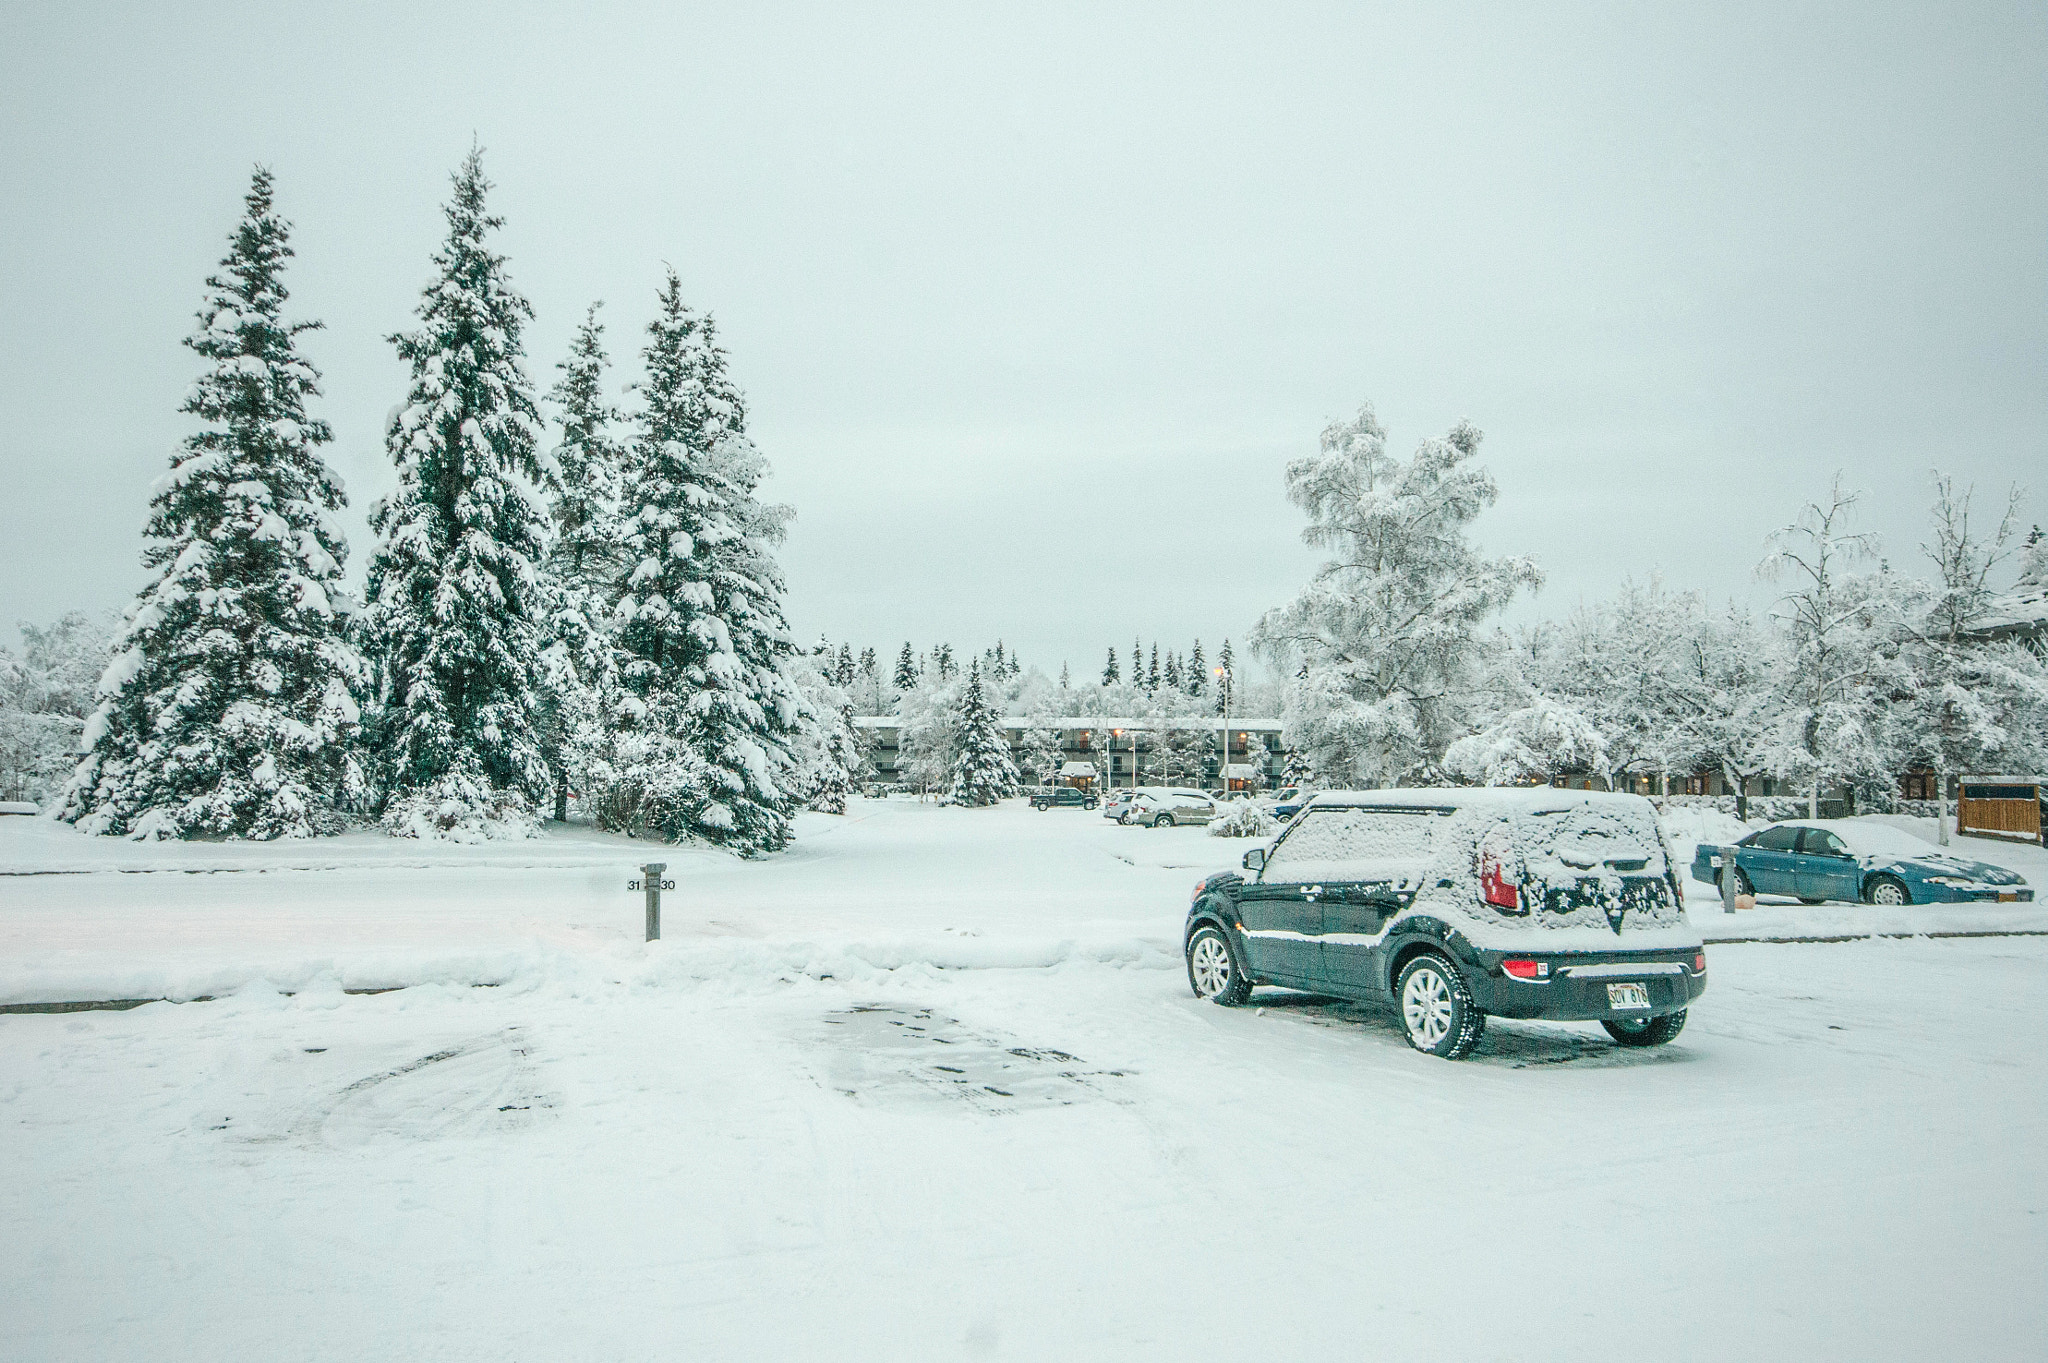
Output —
<point x="1699" y="963"/>
<point x="1527" y="970"/>
<point x="1198" y="888"/>
<point x="1495" y="887"/>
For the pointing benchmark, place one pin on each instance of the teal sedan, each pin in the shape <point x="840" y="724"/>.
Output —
<point x="1850" y="860"/>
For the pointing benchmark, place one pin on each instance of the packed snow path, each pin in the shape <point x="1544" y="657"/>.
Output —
<point x="709" y="1149"/>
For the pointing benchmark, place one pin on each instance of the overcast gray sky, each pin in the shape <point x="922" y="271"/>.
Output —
<point x="1032" y="306"/>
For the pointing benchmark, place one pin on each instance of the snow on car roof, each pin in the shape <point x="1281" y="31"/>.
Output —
<point x="1870" y="839"/>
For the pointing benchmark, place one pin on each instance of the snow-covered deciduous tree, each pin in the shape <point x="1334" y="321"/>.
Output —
<point x="586" y="557"/>
<point x="46" y="692"/>
<point x="983" y="771"/>
<point x="830" y="753"/>
<point x="928" y="734"/>
<point x="1844" y="631"/>
<point x="1729" y="686"/>
<point x="1043" y="750"/>
<point x="1528" y="745"/>
<point x="701" y="622"/>
<point x="1974" y="703"/>
<point x="459" y="593"/>
<point x="231" y="700"/>
<point x="1385" y="637"/>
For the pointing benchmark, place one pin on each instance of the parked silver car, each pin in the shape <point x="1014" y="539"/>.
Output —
<point x="1165" y="806"/>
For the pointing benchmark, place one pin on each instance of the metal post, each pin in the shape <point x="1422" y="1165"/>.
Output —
<point x="1728" y="878"/>
<point x="651" y="881"/>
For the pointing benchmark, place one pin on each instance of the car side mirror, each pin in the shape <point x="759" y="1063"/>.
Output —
<point x="1255" y="860"/>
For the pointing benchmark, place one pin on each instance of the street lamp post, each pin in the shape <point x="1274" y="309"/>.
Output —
<point x="1223" y="764"/>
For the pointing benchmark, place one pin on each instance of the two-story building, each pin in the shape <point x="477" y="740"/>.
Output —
<point x="1097" y="752"/>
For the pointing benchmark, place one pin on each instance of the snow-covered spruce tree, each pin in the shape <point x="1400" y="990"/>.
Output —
<point x="906" y="669"/>
<point x="701" y="623"/>
<point x="983" y="771"/>
<point x="1385" y="636"/>
<point x="1111" y="673"/>
<point x="230" y="702"/>
<point x="459" y="595"/>
<point x="1197" y="671"/>
<point x="1298" y="770"/>
<point x="585" y="559"/>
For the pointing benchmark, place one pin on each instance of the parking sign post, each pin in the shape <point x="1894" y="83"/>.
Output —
<point x="651" y="881"/>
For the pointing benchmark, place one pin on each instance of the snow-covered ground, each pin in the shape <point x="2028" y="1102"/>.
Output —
<point x="932" y="1086"/>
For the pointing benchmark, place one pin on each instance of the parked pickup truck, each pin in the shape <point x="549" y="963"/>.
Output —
<point x="1852" y="860"/>
<point x="1064" y="797"/>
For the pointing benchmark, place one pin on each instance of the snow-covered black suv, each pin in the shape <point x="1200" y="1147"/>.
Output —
<point x="1459" y="904"/>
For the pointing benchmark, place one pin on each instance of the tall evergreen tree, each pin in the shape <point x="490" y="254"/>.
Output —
<point x="1170" y="675"/>
<point x="585" y="558"/>
<point x="1197" y="670"/>
<point x="230" y="701"/>
<point x="459" y="592"/>
<point x="1226" y="680"/>
<point x="701" y="609"/>
<point x="1152" y="671"/>
<point x="983" y="770"/>
<point x="1110" y="674"/>
<point x="906" y="669"/>
<point x="942" y="662"/>
<point x="842" y="668"/>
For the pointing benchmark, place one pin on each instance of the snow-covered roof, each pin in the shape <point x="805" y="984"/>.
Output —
<point x="1478" y="797"/>
<point x="1077" y="769"/>
<point x="2023" y="608"/>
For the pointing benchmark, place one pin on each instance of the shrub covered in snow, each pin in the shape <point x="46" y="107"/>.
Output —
<point x="1244" y="819"/>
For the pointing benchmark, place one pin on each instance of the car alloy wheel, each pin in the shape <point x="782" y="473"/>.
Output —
<point x="1212" y="970"/>
<point x="1437" y="1009"/>
<point x="1124" y="817"/>
<point x="1889" y="893"/>
<point x="1163" y="821"/>
<point x="1742" y="885"/>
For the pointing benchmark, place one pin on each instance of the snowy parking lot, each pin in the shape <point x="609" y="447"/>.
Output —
<point x="932" y="1086"/>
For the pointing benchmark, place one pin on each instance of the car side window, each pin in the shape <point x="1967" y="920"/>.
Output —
<point x="1778" y="840"/>
<point x="1332" y="843"/>
<point x="1821" y="843"/>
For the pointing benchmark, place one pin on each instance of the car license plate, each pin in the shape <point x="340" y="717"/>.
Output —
<point x="1628" y="996"/>
<point x="2008" y="898"/>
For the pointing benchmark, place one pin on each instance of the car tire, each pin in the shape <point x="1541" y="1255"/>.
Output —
<point x="1887" y="892"/>
<point x="1804" y="900"/>
<point x="1742" y="885"/>
<point x="1646" y="1031"/>
<point x="1124" y="818"/>
<point x="1213" y="971"/>
<point x="1438" y="1013"/>
<point x="1092" y="804"/>
<point x="1163" y="821"/>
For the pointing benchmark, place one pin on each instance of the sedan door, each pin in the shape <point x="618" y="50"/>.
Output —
<point x="1772" y="861"/>
<point x="1827" y="868"/>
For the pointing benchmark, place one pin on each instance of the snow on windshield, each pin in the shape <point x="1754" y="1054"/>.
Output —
<point x="1355" y="844"/>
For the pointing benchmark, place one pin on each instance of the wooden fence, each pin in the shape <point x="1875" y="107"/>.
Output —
<point x="2001" y="807"/>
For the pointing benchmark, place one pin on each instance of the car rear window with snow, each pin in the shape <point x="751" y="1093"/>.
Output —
<point x="1593" y="863"/>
